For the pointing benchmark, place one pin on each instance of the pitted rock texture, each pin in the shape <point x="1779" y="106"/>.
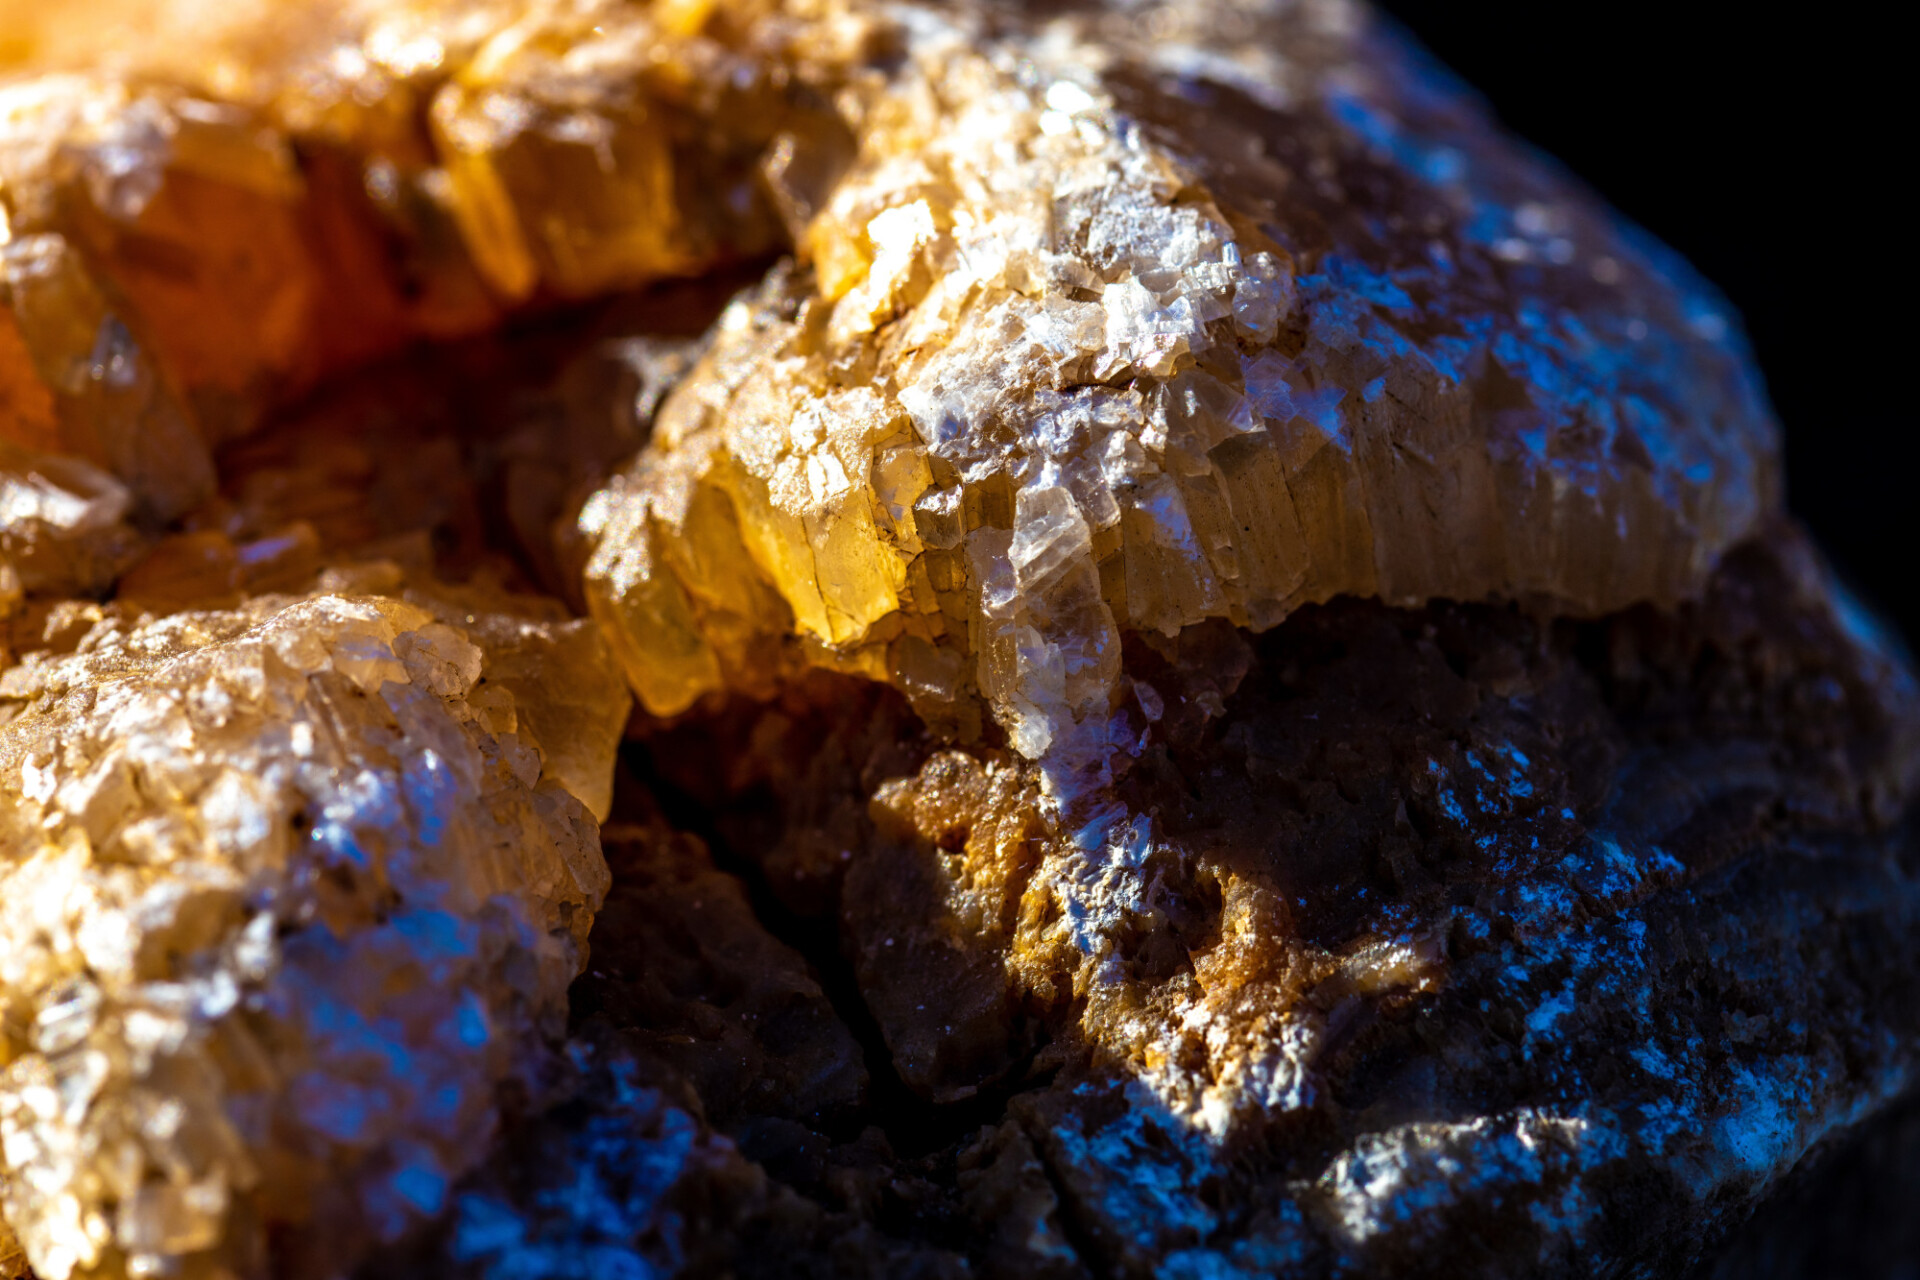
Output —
<point x="1474" y="944"/>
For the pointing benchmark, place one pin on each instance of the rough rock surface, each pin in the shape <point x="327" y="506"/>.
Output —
<point x="1225" y="690"/>
<point x="1843" y="1213"/>
<point x="1474" y="944"/>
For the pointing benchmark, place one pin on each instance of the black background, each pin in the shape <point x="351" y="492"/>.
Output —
<point x="1771" y="151"/>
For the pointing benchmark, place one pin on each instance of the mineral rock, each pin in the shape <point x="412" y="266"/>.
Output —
<point x="288" y="892"/>
<point x="1101" y="335"/>
<point x="74" y="380"/>
<point x="620" y="1177"/>
<point x="63" y="527"/>
<point x="698" y="985"/>
<point x="1227" y="691"/>
<point x="1460" y="943"/>
<point x="176" y="208"/>
<point x="168" y="251"/>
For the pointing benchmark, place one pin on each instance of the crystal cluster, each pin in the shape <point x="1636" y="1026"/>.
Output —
<point x="289" y="887"/>
<point x="1224" y="688"/>
<point x="175" y="217"/>
<point x="1060" y="375"/>
<point x="64" y="527"/>
<point x="1061" y="361"/>
<point x="301" y="838"/>
<point x="301" y="846"/>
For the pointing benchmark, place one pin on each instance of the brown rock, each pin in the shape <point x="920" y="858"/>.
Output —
<point x="1225" y="687"/>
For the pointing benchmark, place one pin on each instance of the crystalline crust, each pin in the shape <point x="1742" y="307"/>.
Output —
<point x="1192" y="312"/>
<point x="1099" y="334"/>
<point x="63" y="526"/>
<point x="184" y="185"/>
<point x="286" y="893"/>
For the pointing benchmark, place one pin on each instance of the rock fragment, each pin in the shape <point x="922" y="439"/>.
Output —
<point x="700" y="986"/>
<point x="1460" y="940"/>
<point x="64" y="528"/>
<point x="291" y="891"/>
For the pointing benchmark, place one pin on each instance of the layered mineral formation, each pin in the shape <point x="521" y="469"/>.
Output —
<point x="1099" y="336"/>
<point x="1224" y="686"/>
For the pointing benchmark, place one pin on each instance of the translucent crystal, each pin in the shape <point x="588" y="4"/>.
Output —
<point x="63" y="526"/>
<point x="1059" y="363"/>
<point x="287" y="893"/>
<point x="218" y="170"/>
<point x="1110" y="338"/>
<point x="77" y="382"/>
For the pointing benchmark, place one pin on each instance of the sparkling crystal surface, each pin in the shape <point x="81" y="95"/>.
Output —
<point x="1067" y="354"/>
<point x="63" y="526"/>
<point x="183" y="187"/>
<point x="289" y="890"/>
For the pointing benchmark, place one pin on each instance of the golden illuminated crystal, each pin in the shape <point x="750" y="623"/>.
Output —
<point x="63" y="526"/>
<point x="286" y="891"/>
<point x="74" y="380"/>
<point x="1059" y="362"/>
<point x="290" y="884"/>
<point x="174" y="268"/>
<point x="377" y="975"/>
<point x="180" y="206"/>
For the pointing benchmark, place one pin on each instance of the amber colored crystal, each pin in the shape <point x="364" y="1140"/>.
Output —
<point x="289" y="890"/>
<point x="63" y="527"/>
<point x="82" y="384"/>
<point x="189" y="204"/>
<point x="1057" y="364"/>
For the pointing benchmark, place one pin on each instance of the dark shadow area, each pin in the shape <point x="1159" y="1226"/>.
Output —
<point x="914" y="1126"/>
<point x="1847" y="1211"/>
<point x="1765" y="150"/>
